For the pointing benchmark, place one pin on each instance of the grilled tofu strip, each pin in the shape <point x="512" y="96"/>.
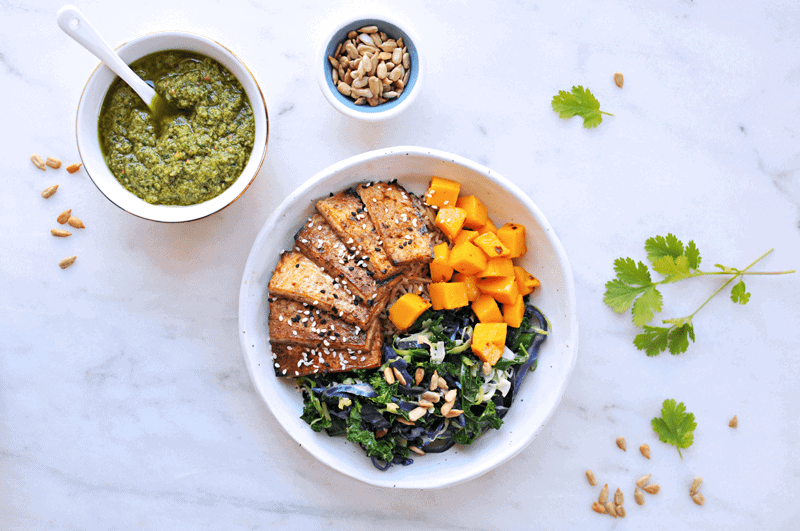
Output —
<point x="402" y="228"/>
<point x="351" y="222"/>
<point x="298" y="278"/>
<point x="319" y="242"/>
<point x="292" y="360"/>
<point x="292" y="323"/>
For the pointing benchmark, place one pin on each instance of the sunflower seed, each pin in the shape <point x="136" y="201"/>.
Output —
<point x="642" y="481"/>
<point x="610" y="509"/>
<point x="619" y="499"/>
<point x="454" y="413"/>
<point x="639" y="496"/>
<point x="734" y="423"/>
<point x="596" y="507"/>
<point x="399" y="376"/>
<point x="60" y="233"/>
<point x="695" y="486"/>
<point x="334" y="63"/>
<point x="366" y="39"/>
<point x="591" y="477"/>
<point x="64" y="216"/>
<point x="620" y="511"/>
<point x="388" y="375"/>
<point x="419" y="375"/>
<point x="344" y="88"/>
<point x="645" y="449"/>
<point x="66" y="262"/>
<point x="72" y="168"/>
<point x="38" y="162"/>
<point x="368" y="29"/>
<point x="75" y="222"/>
<point x="53" y="162"/>
<point x="450" y="395"/>
<point x="618" y="79"/>
<point x="49" y="191"/>
<point x="652" y="488"/>
<point x="446" y="408"/>
<point x="416" y="414"/>
<point x="622" y="444"/>
<point x="430" y="396"/>
<point x="397" y="56"/>
<point x="603" y="498"/>
<point x="434" y="381"/>
<point x="698" y="499"/>
<point x="416" y="450"/>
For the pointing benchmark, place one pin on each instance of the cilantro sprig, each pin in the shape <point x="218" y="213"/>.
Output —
<point x="675" y="426"/>
<point x="634" y="289"/>
<point x="580" y="102"/>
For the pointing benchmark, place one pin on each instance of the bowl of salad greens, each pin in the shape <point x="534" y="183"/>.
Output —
<point x="341" y="418"/>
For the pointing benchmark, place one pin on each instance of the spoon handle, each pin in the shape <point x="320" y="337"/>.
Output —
<point x="74" y="24"/>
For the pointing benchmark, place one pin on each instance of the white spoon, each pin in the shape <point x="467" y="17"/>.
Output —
<point x="74" y="24"/>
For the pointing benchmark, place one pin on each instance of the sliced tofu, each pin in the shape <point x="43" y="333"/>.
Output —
<point x="292" y="323"/>
<point x="318" y="241"/>
<point x="400" y="225"/>
<point x="298" y="278"/>
<point x="292" y="360"/>
<point x="350" y="221"/>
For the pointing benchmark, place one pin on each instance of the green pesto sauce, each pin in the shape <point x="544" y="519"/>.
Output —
<point x="188" y="155"/>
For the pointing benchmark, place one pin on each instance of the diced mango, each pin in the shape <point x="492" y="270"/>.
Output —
<point x="513" y="236"/>
<point x="448" y="295"/>
<point x="440" y="268"/>
<point x="442" y="192"/>
<point x="468" y="259"/>
<point x="472" y="285"/>
<point x="487" y="310"/>
<point x="450" y="220"/>
<point x="407" y="309"/>
<point x="503" y="289"/>
<point x="491" y="245"/>
<point x="525" y="281"/>
<point x="497" y="267"/>
<point x="513" y="313"/>
<point x="475" y="209"/>
<point x="488" y="341"/>
<point x="488" y="227"/>
<point x="465" y="235"/>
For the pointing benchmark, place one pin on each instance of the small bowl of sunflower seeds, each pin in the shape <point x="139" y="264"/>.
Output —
<point x="369" y="67"/>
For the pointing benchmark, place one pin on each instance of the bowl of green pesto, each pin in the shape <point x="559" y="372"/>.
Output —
<point x="193" y="156"/>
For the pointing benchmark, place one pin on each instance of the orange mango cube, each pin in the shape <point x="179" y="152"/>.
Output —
<point x="465" y="235"/>
<point x="491" y="245"/>
<point x="468" y="259"/>
<point x="513" y="313"/>
<point x="448" y="295"/>
<point x="407" y="309"/>
<point x="525" y="281"/>
<point x="488" y="341"/>
<point x="442" y="192"/>
<point x="450" y="220"/>
<point x="487" y="310"/>
<point x="503" y="289"/>
<point x="475" y="209"/>
<point x="513" y="236"/>
<point x="440" y="268"/>
<point x="498" y="267"/>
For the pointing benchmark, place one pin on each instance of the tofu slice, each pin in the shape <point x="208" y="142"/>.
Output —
<point x="400" y="225"/>
<point x="292" y="323"/>
<point x="348" y="218"/>
<point x="298" y="278"/>
<point x="292" y="360"/>
<point x="318" y="241"/>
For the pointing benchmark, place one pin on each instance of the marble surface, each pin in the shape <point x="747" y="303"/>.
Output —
<point x="124" y="398"/>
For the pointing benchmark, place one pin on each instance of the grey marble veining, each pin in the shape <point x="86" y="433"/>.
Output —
<point x="125" y="402"/>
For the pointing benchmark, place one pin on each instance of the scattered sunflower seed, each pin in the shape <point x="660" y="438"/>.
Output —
<point x="618" y="79"/>
<point x="610" y="509"/>
<point x="72" y="168"/>
<point x="619" y="499"/>
<point x="60" y="233"/>
<point x="419" y="375"/>
<point x="598" y="508"/>
<point x="75" y="222"/>
<point x="734" y="423"/>
<point x="698" y="499"/>
<point x="652" y="488"/>
<point x="53" y="162"/>
<point x="639" y="496"/>
<point x="66" y="262"/>
<point x="591" y="477"/>
<point x="645" y="449"/>
<point x="64" y="216"/>
<point x="695" y="486"/>
<point x="622" y="444"/>
<point x="49" y="191"/>
<point x="603" y="498"/>
<point x="38" y="162"/>
<point x="642" y="481"/>
<point x="620" y="511"/>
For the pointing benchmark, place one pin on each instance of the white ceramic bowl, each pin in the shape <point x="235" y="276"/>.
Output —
<point x="89" y="111"/>
<point x="542" y="390"/>
<point x="393" y="28"/>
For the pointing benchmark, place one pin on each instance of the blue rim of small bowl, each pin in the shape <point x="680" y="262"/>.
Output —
<point x="393" y="29"/>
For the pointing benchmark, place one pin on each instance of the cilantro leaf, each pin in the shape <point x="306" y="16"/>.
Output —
<point x="646" y="306"/>
<point x="660" y="246"/>
<point x="580" y="102"/>
<point x="739" y="293"/>
<point x="656" y="339"/>
<point x="653" y="340"/>
<point x="632" y="280"/>
<point x="680" y="333"/>
<point x="692" y="255"/>
<point x="674" y="269"/>
<point x="631" y="272"/>
<point x="675" y="426"/>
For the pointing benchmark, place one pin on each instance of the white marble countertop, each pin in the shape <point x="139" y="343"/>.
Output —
<point x="124" y="397"/>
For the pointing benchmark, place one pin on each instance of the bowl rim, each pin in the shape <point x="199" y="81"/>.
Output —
<point x="174" y="208"/>
<point x="266" y="232"/>
<point x="417" y="69"/>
